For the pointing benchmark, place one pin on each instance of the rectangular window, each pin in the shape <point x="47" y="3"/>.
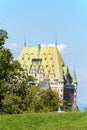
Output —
<point x="61" y="95"/>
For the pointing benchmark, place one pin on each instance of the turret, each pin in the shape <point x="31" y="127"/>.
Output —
<point x="75" y="90"/>
<point x="74" y="79"/>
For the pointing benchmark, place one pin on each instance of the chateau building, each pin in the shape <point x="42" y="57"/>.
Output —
<point x="46" y="65"/>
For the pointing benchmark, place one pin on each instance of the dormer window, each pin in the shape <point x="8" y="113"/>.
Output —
<point x="51" y="76"/>
<point x="23" y="57"/>
<point x="48" y="71"/>
<point x="47" y="76"/>
<point x="40" y="70"/>
<point x="46" y="65"/>
<point x="41" y="76"/>
<point x="51" y="57"/>
<point x="28" y="57"/>
<point x="45" y="57"/>
<point x="23" y="66"/>
<point x="31" y="53"/>
<point x="52" y="64"/>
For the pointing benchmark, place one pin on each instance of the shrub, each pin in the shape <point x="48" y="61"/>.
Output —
<point x="11" y="104"/>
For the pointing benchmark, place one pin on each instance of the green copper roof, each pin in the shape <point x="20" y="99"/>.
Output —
<point x="49" y="57"/>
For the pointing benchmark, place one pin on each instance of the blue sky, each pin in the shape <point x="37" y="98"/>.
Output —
<point x="41" y="21"/>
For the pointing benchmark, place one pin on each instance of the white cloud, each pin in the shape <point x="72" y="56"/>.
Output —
<point x="16" y="47"/>
<point x="60" y="47"/>
<point x="12" y="46"/>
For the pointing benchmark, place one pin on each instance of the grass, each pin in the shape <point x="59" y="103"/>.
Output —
<point x="44" y="121"/>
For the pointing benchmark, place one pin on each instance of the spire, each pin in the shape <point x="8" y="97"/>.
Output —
<point x="56" y="42"/>
<point x="67" y="70"/>
<point x="25" y="40"/>
<point x="74" y="77"/>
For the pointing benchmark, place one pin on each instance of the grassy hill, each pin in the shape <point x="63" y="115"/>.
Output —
<point x="44" y="121"/>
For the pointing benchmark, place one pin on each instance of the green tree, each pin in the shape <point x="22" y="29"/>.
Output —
<point x="10" y="70"/>
<point x="11" y="104"/>
<point x="3" y="37"/>
<point x="30" y="97"/>
<point x="51" y="99"/>
<point x="5" y="60"/>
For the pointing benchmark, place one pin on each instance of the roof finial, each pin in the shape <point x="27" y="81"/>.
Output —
<point x="25" y="40"/>
<point x="56" y="41"/>
<point x="39" y="47"/>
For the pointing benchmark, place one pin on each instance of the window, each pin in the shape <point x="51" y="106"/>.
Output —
<point x="47" y="76"/>
<point x="61" y="95"/>
<point x="46" y="65"/>
<point x="48" y="70"/>
<point x="51" y="57"/>
<point x="75" y="96"/>
<point x="40" y="76"/>
<point x="28" y="57"/>
<point x="23" y="58"/>
<point x="52" y="76"/>
<point x="52" y="65"/>
<point x="23" y="66"/>
<point x="45" y="56"/>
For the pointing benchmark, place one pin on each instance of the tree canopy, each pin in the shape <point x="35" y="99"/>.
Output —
<point x="3" y="37"/>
